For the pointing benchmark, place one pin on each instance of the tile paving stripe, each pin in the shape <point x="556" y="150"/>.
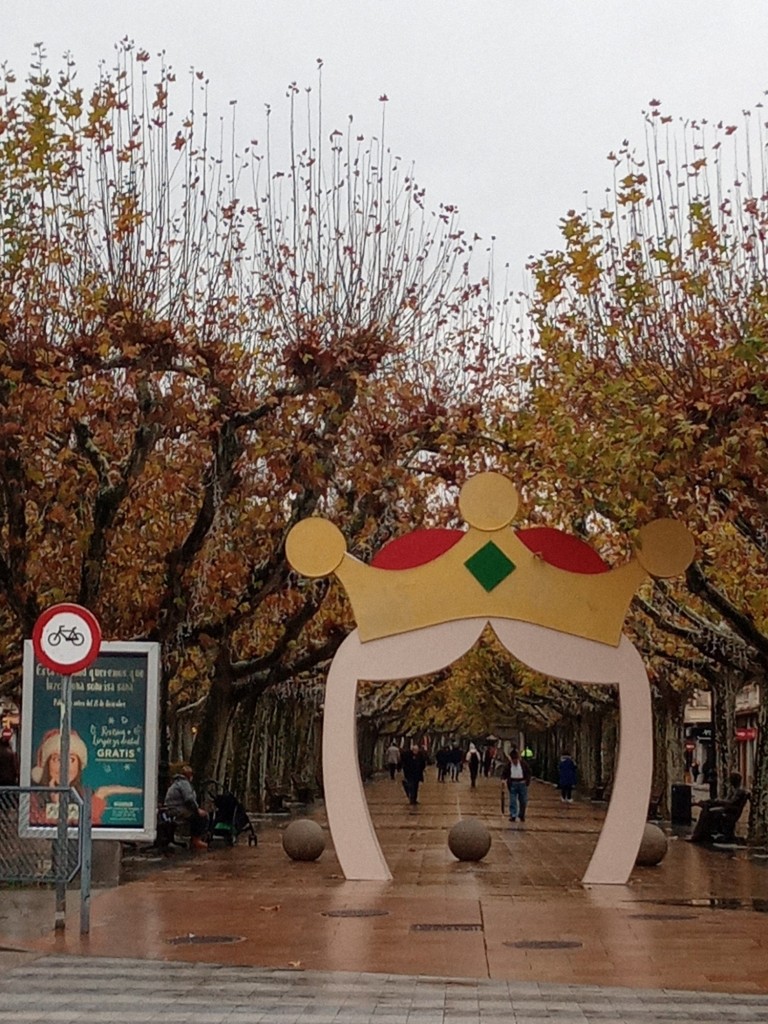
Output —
<point x="93" y="990"/>
<point x="355" y="913"/>
<point x="446" y="927"/>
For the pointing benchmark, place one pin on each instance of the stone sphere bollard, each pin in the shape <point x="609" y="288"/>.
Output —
<point x="653" y="848"/>
<point x="469" y="840"/>
<point x="303" y="840"/>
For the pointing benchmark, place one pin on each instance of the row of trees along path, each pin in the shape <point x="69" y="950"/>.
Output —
<point x="204" y="340"/>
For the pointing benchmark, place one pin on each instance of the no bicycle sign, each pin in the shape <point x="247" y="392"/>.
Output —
<point x="66" y="638"/>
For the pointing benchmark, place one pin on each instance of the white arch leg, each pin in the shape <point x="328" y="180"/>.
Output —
<point x="398" y="657"/>
<point x="586" y="661"/>
<point x="428" y="650"/>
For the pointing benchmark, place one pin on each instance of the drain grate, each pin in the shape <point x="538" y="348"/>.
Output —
<point x="663" y="917"/>
<point x="355" y="913"/>
<point x="446" y="927"/>
<point x="204" y="940"/>
<point x="544" y="944"/>
<point x="760" y="906"/>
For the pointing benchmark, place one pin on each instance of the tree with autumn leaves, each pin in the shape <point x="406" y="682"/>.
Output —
<point x="646" y="395"/>
<point x="197" y="351"/>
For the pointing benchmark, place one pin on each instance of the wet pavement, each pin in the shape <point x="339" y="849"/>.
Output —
<point x="453" y="941"/>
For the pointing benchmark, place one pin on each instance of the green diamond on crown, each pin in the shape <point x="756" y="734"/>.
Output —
<point x="490" y="566"/>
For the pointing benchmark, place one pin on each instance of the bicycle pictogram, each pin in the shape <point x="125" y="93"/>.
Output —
<point x="70" y="635"/>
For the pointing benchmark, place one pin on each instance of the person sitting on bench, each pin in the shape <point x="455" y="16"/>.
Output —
<point x="719" y="817"/>
<point x="181" y="803"/>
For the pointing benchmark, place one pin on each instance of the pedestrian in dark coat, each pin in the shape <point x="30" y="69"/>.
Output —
<point x="442" y="759"/>
<point x="473" y="763"/>
<point x="567" y="774"/>
<point x="455" y="762"/>
<point x="413" y="763"/>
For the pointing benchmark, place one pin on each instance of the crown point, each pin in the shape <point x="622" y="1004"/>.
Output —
<point x="488" y="501"/>
<point x="314" y="547"/>
<point x="665" y="548"/>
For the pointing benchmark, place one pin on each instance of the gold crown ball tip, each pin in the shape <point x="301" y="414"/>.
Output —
<point x="315" y="547"/>
<point x="488" y="501"/>
<point x="665" y="548"/>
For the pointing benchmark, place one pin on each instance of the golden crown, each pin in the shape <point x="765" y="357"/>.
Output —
<point x="536" y="575"/>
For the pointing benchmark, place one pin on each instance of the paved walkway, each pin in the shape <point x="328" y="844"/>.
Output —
<point x="248" y="935"/>
<point x="97" y="991"/>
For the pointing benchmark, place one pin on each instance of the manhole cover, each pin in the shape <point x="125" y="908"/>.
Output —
<point x="204" y="940"/>
<point x="446" y="927"/>
<point x="663" y="917"/>
<point x="544" y="944"/>
<point x="355" y="913"/>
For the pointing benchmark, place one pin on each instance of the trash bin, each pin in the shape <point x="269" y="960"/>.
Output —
<point x="680" y="805"/>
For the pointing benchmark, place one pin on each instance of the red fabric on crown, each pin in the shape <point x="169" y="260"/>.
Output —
<point x="562" y="550"/>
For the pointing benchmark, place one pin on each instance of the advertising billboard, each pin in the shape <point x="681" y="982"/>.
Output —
<point x="113" y="747"/>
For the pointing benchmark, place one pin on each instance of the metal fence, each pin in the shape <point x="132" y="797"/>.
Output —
<point x="32" y="850"/>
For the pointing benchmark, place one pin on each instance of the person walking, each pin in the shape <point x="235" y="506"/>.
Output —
<point x="442" y="760"/>
<point x="516" y="776"/>
<point x="473" y="763"/>
<point x="455" y="762"/>
<point x="413" y="763"/>
<point x="567" y="775"/>
<point x="392" y="759"/>
<point x="9" y="762"/>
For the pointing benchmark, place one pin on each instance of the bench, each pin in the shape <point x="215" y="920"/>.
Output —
<point x="305" y="790"/>
<point x="653" y="806"/>
<point x="169" y="831"/>
<point x="275" y="797"/>
<point x="717" y="820"/>
<point x="601" y="792"/>
<point x="729" y="819"/>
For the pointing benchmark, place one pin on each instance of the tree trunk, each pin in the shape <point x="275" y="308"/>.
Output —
<point x="609" y="747"/>
<point x="591" y="760"/>
<point x="208" y="753"/>
<point x="274" y="742"/>
<point x="367" y="735"/>
<point x="724" y="693"/>
<point x="668" y="751"/>
<point x="758" y="811"/>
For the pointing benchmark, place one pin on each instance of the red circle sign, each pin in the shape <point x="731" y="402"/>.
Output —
<point x="66" y="638"/>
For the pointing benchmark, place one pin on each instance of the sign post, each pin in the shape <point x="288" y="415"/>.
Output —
<point x="66" y="638"/>
<point x="65" y="728"/>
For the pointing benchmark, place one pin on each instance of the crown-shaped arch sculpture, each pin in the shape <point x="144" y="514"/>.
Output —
<point x="552" y="602"/>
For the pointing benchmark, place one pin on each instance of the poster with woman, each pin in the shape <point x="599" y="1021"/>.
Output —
<point x="113" y="739"/>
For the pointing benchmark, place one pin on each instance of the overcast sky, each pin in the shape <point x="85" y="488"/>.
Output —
<point x="507" y="107"/>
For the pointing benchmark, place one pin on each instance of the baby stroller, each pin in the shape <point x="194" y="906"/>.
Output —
<point x="229" y="818"/>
